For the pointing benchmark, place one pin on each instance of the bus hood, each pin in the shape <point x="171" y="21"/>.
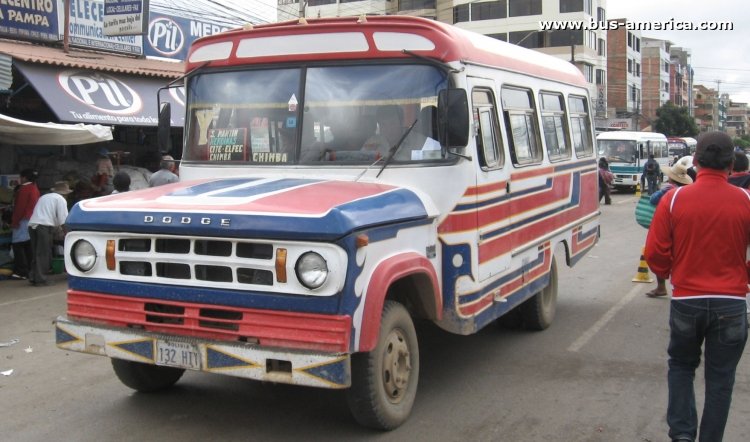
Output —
<point x="279" y="208"/>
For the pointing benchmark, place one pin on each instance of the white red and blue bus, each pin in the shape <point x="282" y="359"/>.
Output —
<point x="291" y="251"/>
<point x="681" y="146"/>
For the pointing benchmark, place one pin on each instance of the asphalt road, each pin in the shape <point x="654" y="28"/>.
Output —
<point x="598" y="374"/>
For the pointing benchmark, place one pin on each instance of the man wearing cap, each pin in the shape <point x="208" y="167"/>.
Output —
<point x="166" y="173"/>
<point x="49" y="214"/>
<point x="699" y="237"/>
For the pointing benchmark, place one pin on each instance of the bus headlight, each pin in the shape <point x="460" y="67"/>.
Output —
<point x="83" y="255"/>
<point x="312" y="270"/>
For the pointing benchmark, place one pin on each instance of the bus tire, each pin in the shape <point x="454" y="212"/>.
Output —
<point x="539" y="311"/>
<point x="145" y="378"/>
<point x="384" y="380"/>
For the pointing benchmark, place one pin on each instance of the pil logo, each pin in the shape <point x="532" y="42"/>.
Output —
<point x="101" y="92"/>
<point x="165" y="36"/>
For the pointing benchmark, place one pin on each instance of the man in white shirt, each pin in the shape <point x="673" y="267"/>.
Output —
<point x="166" y="173"/>
<point x="49" y="214"/>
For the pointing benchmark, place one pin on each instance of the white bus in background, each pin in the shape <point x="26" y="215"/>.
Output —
<point x="628" y="151"/>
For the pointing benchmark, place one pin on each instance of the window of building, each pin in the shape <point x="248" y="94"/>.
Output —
<point x="528" y="39"/>
<point x="517" y="8"/>
<point x="565" y="38"/>
<point x="580" y="126"/>
<point x="601" y="76"/>
<point x="522" y="126"/>
<point x="488" y="10"/>
<point x="636" y="44"/>
<point x="461" y="13"/>
<point x="666" y="86"/>
<point x="588" y="72"/>
<point x="630" y="65"/>
<point x="321" y="2"/>
<point x="637" y="69"/>
<point x="600" y="15"/>
<point x="666" y="66"/>
<point x="571" y="6"/>
<point x="601" y="48"/>
<point x="588" y="6"/>
<point x="553" y="125"/>
<point x="630" y="40"/>
<point x="489" y="143"/>
<point x="410" y="5"/>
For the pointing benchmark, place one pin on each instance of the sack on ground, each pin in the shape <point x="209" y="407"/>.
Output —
<point x="644" y="211"/>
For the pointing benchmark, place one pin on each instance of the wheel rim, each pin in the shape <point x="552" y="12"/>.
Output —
<point x="396" y="366"/>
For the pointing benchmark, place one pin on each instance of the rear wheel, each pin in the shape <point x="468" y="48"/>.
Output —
<point x="146" y="378"/>
<point x="384" y="380"/>
<point x="539" y="311"/>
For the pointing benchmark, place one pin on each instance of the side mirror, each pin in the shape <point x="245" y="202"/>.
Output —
<point x="163" y="132"/>
<point x="453" y="118"/>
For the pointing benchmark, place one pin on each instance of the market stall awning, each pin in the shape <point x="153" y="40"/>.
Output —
<point x="82" y="95"/>
<point x="14" y="131"/>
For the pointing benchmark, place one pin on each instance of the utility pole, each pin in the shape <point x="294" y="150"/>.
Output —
<point x="66" y="31"/>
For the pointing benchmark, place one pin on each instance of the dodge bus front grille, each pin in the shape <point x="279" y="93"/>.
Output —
<point x="216" y="261"/>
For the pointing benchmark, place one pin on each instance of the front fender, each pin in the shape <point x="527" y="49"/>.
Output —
<point x="386" y="273"/>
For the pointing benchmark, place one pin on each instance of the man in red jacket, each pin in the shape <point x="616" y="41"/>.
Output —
<point x="27" y="194"/>
<point x="699" y="236"/>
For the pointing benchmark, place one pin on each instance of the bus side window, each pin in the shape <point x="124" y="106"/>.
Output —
<point x="553" y="124"/>
<point x="489" y="143"/>
<point x="523" y="133"/>
<point x="580" y="126"/>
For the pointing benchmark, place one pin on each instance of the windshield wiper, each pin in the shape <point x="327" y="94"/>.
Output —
<point x="392" y="151"/>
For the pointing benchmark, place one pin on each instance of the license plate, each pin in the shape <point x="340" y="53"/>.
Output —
<point x="177" y="354"/>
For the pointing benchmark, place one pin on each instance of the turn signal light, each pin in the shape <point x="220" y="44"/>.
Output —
<point x="110" y="255"/>
<point x="281" y="265"/>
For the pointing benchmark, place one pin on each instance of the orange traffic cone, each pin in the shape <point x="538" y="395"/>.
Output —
<point x="642" y="275"/>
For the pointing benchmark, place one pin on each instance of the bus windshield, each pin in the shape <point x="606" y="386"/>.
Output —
<point x="314" y="115"/>
<point x="618" y="151"/>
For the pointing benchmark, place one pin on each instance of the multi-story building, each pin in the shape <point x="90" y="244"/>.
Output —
<point x="624" y="75"/>
<point x="736" y="123"/>
<point x="681" y="83"/>
<point x="655" y="70"/>
<point x="514" y="21"/>
<point x="706" y="108"/>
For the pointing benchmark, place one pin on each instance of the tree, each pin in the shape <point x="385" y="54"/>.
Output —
<point x="743" y="141"/>
<point x="674" y="121"/>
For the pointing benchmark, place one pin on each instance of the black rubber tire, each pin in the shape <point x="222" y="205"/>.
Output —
<point x="146" y="378"/>
<point x="374" y="400"/>
<point x="539" y="311"/>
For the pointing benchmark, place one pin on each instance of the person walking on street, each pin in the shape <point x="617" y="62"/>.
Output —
<point x="49" y="214"/>
<point x="650" y="174"/>
<point x="740" y="176"/>
<point x="677" y="176"/>
<point x="25" y="200"/>
<point x="605" y="181"/>
<point x="699" y="237"/>
<point x="166" y="173"/>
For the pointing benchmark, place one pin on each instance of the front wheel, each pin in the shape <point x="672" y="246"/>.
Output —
<point x="539" y="311"/>
<point x="145" y="378"/>
<point x="384" y="380"/>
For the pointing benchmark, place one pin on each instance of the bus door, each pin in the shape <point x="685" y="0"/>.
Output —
<point x="492" y="202"/>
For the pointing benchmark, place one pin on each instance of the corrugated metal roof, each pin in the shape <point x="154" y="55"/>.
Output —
<point x="76" y="58"/>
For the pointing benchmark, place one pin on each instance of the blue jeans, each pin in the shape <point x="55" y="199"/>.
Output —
<point x="722" y="324"/>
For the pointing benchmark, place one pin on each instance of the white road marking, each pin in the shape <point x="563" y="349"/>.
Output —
<point x="35" y="298"/>
<point x="606" y="317"/>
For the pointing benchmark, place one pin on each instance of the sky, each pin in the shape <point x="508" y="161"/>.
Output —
<point x="716" y="55"/>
